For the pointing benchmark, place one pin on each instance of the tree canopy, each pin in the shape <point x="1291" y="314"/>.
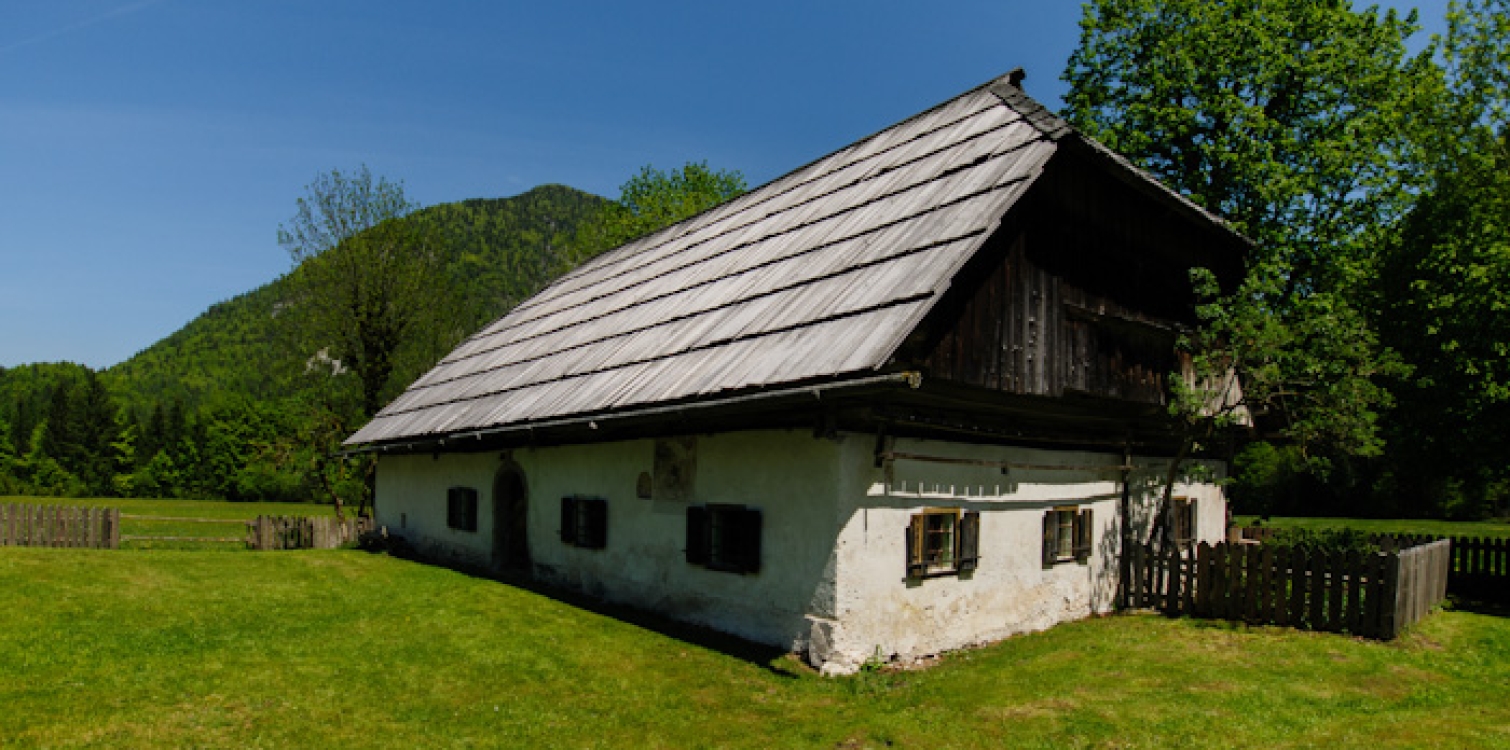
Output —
<point x="1442" y="294"/>
<point x="371" y="284"/>
<point x="653" y="199"/>
<point x="1280" y="115"/>
<point x="1283" y="116"/>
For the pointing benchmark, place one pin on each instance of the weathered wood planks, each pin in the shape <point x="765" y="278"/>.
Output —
<point x="288" y="532"/>
<point x="1376" y="595"/>
<point x="27" y="525"/>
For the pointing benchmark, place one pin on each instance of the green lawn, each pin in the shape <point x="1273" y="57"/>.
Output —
<point x="344" y="649"/>
<point x="1496" y="529"/>
<point x="147" y="509"/>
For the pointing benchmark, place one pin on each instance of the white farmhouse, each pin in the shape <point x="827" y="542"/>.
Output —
<point x="904" y="399"/>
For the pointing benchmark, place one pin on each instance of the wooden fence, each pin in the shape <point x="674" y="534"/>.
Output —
<point x="59" y="526"/>
<point x="1374" y="595"/>
<point x="290" y="532"/>
<point x="1480" y="567"/>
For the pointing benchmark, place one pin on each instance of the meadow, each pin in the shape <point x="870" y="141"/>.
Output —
<point x="341" y="648"/>
<point x="182" y="518"/>
<point x="1492" y="529"/>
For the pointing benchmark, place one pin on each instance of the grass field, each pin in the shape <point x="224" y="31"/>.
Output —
<point x="145" y="509"/>
<point x="344" y="649"/>
<point x="1495" y="529"/>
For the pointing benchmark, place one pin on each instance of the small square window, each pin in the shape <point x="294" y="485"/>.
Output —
<point x="461" y="508"/>
<point x="1067" y="535"/>
<point x="724" y="537"/>
<point x="942" y="541"/>
<point x="584" y="521"/>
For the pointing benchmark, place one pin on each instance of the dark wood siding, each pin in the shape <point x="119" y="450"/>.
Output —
<point x="1080" y="294"/>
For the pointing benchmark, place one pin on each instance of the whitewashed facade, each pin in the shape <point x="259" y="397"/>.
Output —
<point x="832" y="581"/>
<point x="881" y="404"/>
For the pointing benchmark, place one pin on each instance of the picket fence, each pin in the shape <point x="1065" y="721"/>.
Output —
<point x="24" y="525"/>
<point x="1480" y="567"/>
<point x="291" y="532"/>
<point x="1373" y="595"/>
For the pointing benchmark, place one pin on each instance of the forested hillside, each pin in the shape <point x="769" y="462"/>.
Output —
<point x="233" y="405"/>
<point x="250" y="400"/>
<point x="498" y="252"/>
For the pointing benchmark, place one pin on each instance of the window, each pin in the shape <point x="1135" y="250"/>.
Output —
<point x="1067" y="535"/>
<point x="584" y="521"/>
<point x="461" y="508"/>
<point x="724" y="537"/>
<point x="942" y="541"/>
<point x="1184" y="521"/>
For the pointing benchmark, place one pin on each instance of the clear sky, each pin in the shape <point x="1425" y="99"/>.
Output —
<point x="149" y="149"/>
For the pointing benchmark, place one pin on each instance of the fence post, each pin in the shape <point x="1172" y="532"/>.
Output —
<point x="1391" y="592"/>
<point x="1204" y="580"/>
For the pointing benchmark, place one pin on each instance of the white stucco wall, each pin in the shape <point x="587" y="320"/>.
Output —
<point x="881" y="611"/>
<point x="411" y="502"/>
<point x="790" y="476"/>
<point x="833" y="574"/>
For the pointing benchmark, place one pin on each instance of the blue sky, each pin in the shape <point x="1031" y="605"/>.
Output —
<point x="150" y="149"/>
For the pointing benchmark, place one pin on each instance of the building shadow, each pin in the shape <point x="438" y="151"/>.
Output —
<point x="770" y="658"/>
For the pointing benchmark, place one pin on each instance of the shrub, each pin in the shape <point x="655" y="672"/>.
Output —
<point x="1329" y="540"/>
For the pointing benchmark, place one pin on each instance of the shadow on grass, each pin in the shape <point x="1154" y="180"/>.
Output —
<point x="769" y="658"/>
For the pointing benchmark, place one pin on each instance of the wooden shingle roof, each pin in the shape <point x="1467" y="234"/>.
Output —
<point x="817" y="275"/>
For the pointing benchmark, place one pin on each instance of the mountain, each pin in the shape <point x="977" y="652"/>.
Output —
<point x="498" y="252"/>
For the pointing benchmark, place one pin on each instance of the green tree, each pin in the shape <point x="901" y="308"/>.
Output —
<point x="371" y="294"/>
<point x="654" y="199"/>
<point x="8" y="481"/>
<point x="1286" y="117"/>
<point x="1443" y="290"/>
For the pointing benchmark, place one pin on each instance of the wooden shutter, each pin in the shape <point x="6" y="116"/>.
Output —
<point x="569" y="519"/>
<point x="746" y="538"/>
<point x="969" y="541"/>
<point x="461" y="508"/>
<point x="1190" y="528"/>
<point x="594" y="513"/>
<point x="1050" y="538"/>
<point x="1084" y="534"/>
<point x="697" y="535"/>
<point x="916" y="567"/>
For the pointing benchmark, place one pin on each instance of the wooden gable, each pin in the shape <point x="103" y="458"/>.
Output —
<point x="1081" y="292"/>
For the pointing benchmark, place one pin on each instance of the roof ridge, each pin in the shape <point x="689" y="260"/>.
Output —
<point x="1051" y="125"/>
<point x="645" y="244"/>
<point x="494" y="328"/>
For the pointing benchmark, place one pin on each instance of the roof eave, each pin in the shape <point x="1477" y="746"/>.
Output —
<point x="852" y="383"/>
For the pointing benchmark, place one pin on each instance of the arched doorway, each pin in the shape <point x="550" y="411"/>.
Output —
<point x="511" y="550"/>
